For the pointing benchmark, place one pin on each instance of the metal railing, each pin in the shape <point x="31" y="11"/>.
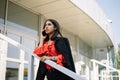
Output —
<point x="51" y="63"/>
<point x="107" y="72"/>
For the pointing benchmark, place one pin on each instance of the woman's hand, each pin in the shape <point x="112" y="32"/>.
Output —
<point x="43" y="58"/>
<point x="43" y="34"/>
<point x="42" y="38"/>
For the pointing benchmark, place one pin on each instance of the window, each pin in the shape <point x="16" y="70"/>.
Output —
<point x="13" y="52"/>
<point x="19" y="17"/>
<point x="12" y="71"/>
<point x="2" y="11"/>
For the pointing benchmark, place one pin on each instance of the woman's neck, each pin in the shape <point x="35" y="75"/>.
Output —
<point x="50" y="35"/>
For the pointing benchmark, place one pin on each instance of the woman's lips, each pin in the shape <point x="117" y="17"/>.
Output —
<point x="46" y="30"/>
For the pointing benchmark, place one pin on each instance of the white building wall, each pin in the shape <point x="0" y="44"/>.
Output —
<point x="92" y="9"/>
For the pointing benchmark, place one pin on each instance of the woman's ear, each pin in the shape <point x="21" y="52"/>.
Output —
<point x="55" y="29"/>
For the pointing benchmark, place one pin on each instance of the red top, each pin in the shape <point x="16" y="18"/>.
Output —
<point x="49" y="50"/>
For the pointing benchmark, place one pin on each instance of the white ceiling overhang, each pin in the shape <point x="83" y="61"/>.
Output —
<point x="70" y="18"/>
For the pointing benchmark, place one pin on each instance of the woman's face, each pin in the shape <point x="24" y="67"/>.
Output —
<point x="49" y="27"/>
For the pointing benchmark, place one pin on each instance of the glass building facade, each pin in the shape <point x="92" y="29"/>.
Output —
<point x="22" y="26"/>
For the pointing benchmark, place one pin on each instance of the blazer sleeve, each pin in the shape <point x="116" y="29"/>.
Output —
<point x="62" y="46"/>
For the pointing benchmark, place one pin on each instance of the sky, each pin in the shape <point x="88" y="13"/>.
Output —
<point x="112" y="10"/>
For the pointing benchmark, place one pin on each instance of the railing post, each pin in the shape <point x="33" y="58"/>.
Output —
<point x="21" y="67"/>
<point x="102" y="75"/>
<point x="119" y="75"/>
<point x="95" y="71"/>
<point x="87" y="73"/>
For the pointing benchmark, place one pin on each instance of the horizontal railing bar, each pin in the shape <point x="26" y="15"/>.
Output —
<point x="93" y="60"/>
<point x="13" y="60"/>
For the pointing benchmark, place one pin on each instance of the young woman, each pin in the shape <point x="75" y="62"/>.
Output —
<point x="54" y="47"/>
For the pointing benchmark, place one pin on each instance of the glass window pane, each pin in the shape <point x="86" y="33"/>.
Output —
<point x="12" y="71"/>
<point x="30" y="44"/>
<point x="18" y="16"/>
<point x="2" y="10"/>
<point x="26" y="56"/>
<point x="13" y="51"/>
<point x="1" y="28"/>
<point x="26" y="72"/>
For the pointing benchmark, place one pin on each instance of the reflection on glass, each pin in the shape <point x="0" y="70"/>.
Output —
<point x="2" y="11"/>
<point x="82" y="72"/>
<point x="26" y="72"/>
<point x="30" y="44"/>
<point x="11" y="74"/>
<point x="12" y="71"/>
<point x="13" y="51"/>
<point x="22" y="17"/>
<point x="26" y="56"/>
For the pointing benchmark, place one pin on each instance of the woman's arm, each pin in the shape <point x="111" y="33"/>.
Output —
<point x="40" y="49"/>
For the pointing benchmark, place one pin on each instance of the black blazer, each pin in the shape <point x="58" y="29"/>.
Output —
<point x="62" y="46"/>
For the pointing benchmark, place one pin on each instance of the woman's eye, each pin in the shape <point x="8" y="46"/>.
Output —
<point x="49" y="24"/>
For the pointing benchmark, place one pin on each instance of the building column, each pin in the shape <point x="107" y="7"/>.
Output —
<point x="87" y="73"/>
<point x="107" y="69"/>
<point x="95" y="71"/>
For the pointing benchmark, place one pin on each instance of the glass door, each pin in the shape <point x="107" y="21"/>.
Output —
<point x="13" y="58"/>
<point x="17" y="61"/>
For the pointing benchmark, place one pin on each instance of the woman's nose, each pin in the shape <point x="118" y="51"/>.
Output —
<point x="46" y="27"/>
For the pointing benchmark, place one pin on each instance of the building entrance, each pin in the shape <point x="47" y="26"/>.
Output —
<point x="17" y="60"/>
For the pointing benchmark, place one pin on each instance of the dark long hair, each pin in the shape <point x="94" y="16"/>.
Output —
<point x="56" y="32"/>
